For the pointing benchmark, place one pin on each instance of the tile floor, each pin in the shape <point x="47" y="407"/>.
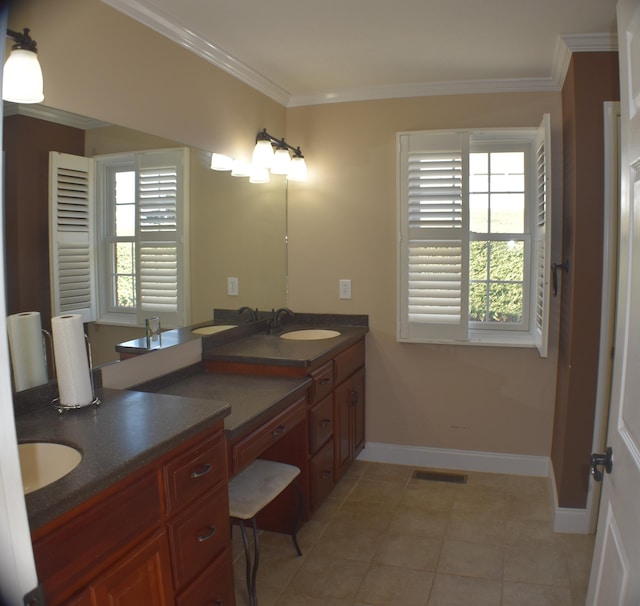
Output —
<point x="384" y="538"/>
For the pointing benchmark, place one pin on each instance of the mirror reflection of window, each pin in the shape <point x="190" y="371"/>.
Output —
<point x="122" y="245"/>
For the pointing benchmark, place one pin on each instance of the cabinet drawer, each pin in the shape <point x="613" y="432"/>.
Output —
<point x="347" y="362"/>
<point x="322" y="381"/>
<point x="199" y="534"/>
<point x="197" y="471"/>
<point x="321" y="474"/>
<point x="320" y="423"/>
<point x="257" y="442"/>
<point x="213" y="586"/>
<point x="92" y="538"/>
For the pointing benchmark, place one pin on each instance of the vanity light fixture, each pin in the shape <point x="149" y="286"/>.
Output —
<point x="279" y="161"/>
<point x="298" y="168"/>
<point x="269" y="154"/>
<point x="240" y="169"/>
<point x="221" y="162"/>
<point x="22" y="75"/>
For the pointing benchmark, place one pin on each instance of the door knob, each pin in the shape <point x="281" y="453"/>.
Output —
<point x="598" y="460"/>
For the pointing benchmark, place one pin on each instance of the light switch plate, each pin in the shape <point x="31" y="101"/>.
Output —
<point x="232" y="286"/>
<point x="345" y="289"/>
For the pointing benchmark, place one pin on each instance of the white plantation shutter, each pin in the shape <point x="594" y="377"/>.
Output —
<point x="543" y="234"/>
<point x="434" y="237"/>
<point x="71" y="236"/>
<point x="161" y="185"/>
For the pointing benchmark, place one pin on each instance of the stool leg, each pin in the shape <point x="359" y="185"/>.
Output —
<point x="247" y="564"/>
<point x="256" y="560"/>
<point x="298" y="522"/>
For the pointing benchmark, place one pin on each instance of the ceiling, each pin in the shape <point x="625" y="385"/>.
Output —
<point x="300" y="52"/>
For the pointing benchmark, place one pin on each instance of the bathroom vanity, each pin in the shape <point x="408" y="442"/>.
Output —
<point x="144" y="517"/>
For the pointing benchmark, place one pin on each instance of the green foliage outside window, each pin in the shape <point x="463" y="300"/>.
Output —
<point x="496" y="281"/>
<point x="125" y="285"/>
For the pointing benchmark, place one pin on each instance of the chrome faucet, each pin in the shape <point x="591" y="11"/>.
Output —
<point x="278" y="314"/>
<point x="253" y="313"/>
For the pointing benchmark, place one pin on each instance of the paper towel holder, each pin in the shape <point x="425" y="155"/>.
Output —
<point x="94" y="402"/>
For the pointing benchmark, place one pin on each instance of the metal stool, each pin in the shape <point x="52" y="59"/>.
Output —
<point x="250" y="492"/>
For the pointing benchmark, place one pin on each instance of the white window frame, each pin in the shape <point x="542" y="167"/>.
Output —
<point x="79" y="244"/>
<point x="445" y="317"/>
<point x="106" y="165"/>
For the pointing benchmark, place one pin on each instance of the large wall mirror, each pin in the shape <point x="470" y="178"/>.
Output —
<point x="236" y="228"/>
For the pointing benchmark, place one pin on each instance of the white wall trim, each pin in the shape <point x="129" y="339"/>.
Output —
<point x="463" y="460"/>
<point x="59" y="116"/>
<point x="567" y="519"/>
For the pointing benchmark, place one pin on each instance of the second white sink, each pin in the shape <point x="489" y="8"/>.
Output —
<point x="310" y="334"/>
<point x="42" y="463"/>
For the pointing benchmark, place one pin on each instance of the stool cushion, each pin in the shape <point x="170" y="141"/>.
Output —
<point x="257" y="485"/>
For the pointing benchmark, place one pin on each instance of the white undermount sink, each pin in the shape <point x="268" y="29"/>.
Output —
<point x="310" y="334"/>
<point x="42" y="463"/>
<point x="210" y="330"/>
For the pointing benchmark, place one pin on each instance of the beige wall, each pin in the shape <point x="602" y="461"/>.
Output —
<point x="341" y="223"/>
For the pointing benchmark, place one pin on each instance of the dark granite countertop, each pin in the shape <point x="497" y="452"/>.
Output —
<point x="264" y="348"/>
<point x="253" y="399"/>
<point x="126" y="432"/>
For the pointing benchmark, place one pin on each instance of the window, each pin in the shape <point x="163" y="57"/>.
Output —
<point x="136" y="236"/>
<point x="474" y="236"/>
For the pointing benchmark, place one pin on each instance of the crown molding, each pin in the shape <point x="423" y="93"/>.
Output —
<point x="429" y="89"/>
<point x="195" y="43"/>
<point x="59" y="116"/>
<point x="568" y="44"/>
<point x="565" y="46"/>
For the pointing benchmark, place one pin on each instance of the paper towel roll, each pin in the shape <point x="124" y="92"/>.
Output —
<point x="72" y="363"/>
<point x="27" y="350"/>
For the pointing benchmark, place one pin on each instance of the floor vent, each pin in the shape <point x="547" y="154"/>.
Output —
<point x="440" y="476"/>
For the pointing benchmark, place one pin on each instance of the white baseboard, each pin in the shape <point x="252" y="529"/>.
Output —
<point x="570" y="520"/>
<point x="463" y="460"/>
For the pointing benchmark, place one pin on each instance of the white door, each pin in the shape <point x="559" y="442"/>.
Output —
<point x="614" y="574"/>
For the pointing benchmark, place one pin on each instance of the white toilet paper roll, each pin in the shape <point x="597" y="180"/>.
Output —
<point x="27" y="350"/>
<point x="72" y="363"/>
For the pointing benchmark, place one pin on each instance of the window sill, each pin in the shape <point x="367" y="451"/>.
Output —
<point x="118" y="320"/>
<point x="484" y="338"/>
<point x="500" y="338"/>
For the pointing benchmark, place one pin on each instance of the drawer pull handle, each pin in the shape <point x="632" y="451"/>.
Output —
<point x="278" y="430"/>
<point x="355" y="396"/>
<point x="325" y="423"/>
<point x="205" y="537"/>
<point x="325" y="474"/>
<point x="203" y="472"/>
<point x="325" y="381"/>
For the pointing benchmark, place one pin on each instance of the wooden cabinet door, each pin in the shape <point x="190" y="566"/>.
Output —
<point x="142" y="577"/>
<point x="349" y="403"/>
<point x="358" y="412"/>
<point x="342" y="432"/>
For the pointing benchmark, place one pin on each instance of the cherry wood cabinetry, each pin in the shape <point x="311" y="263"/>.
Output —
<point x="349" y="407"/>
<point x="160" y="536"/>
<point x="333" y="418"/>
<point x="349" y="411"/>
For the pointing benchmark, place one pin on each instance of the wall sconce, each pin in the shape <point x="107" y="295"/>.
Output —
<point x="22" y="76"/>
<point x="273" y="153"/>
<point x="265" y="159"/>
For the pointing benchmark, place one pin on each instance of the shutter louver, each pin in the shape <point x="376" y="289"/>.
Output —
<point x="160" y="203"/>
<point x="435" y="242"/>
<point x="543" y="235"/>
<point x="71" y="208"/>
